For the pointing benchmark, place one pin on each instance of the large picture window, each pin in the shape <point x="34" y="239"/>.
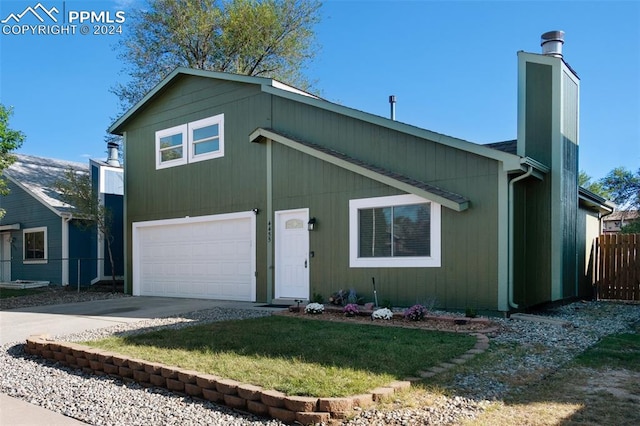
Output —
<point x="191" y="142"/>
<point x="397" y="231"/>
<point x="35" y="245"/>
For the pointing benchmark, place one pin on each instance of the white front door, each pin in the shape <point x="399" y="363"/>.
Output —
<point x="292" y="254"/>
<point x="5" y="258"/>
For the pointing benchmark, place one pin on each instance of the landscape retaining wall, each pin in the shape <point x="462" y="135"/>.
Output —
<point x="241" y="396"/>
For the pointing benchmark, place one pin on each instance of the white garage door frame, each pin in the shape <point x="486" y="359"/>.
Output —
<point x="138" y="227"/>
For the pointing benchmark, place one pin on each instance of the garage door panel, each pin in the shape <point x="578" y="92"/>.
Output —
<point x="209" y="258"/>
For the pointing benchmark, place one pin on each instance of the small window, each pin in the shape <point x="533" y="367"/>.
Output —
<point x="191" y="142"/>
<point x="35" y="245"/>
<point x="171" y="147"/>
<point x="397" y="231"/>
<point x="206" y="139"/>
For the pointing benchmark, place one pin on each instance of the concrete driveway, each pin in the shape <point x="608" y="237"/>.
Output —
<point x="17" y="324"/>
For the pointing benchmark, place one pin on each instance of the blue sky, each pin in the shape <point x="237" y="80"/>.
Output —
<point x="451" y="65"/>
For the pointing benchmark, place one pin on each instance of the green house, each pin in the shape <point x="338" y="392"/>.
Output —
<point x="243" y="188"/>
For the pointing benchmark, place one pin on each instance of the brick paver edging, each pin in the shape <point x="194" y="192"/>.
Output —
<point x="234" y="394"/>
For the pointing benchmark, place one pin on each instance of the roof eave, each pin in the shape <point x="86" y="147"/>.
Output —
<point x="458" y="204"/>
<point x="34" y="195"/>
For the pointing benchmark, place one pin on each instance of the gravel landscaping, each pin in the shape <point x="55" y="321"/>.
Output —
<point x="521" y="349"/>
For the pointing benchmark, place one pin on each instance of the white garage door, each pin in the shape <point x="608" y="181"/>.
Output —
<point x="209" y="257"/>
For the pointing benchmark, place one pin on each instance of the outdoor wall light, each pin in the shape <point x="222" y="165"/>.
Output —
<point x="255" y="211"/>
<point x="311" y="224"/>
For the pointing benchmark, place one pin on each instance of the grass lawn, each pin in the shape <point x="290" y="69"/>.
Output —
<point x="6" y="293"/>
<point x="297" y="356"/>
<point x="601" y="386"/>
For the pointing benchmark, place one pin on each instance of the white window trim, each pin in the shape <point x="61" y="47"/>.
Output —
<point x="432" y="261"/>
<point x="209" y="121"/>
<point x="24" y="245"/>
<point x="188" y="147"/>
<point x="182" y="129"/>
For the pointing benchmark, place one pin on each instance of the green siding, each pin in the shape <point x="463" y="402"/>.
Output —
<point x="469" y="238"/>
<point x="532" y="242"/>
<point x="238" y="182"/>
<point x="547" y="249"/>
<point x="538" y="112"/>
<point x="569" y="187"/>
<point x="232" y="183"/>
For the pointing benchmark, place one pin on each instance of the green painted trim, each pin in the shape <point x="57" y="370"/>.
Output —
<point x="259" y="134"/>
<point x="128" y="289"/>
<point x="557" y="233"/>
<point x="503" y="241"/>
<point x="270" y="222"/>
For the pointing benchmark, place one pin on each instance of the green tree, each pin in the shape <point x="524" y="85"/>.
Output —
<point x="76" y="189"/>
<point x="631" y="227"/>
<point x="584" y="180"/>
<point x="269" y="38"/>
<point x="624" y="187"/>
<point x="10" y="140"/>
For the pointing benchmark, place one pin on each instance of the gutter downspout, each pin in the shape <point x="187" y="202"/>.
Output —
<point x="510" y="231"/>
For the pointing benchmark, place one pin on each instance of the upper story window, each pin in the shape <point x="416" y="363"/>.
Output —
<point x="206" y="138"/>
<point x="35" y="245"/>
<point x="191" y="142"/>
<point x="397" y="231"/>
<point x="171" y="147"/>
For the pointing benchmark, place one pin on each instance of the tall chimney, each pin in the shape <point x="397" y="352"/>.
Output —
<point x="551" y="43"/>
<point x="112" y="159"/>
<point x="392" y="103"/>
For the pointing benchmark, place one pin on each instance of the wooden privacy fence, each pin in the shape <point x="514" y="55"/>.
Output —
<point x="616" y="266"/>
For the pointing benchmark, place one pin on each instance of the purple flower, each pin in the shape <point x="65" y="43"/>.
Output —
<point x="415" y="313"/>
<point x="351" y="309"/>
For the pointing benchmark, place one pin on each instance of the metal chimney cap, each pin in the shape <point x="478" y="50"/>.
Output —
<point x="551" y="43"/>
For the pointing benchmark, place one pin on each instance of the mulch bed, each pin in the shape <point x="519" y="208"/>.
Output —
<point x="455" y="324"/>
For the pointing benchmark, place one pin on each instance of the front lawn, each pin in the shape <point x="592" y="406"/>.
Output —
<point x="297" y="356"/>
<point x="6" y="293"/>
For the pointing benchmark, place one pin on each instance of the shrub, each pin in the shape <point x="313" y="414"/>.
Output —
<point x="415" y="313"/>
<point x="317" y="298"/>
<point x="338" y="298"/>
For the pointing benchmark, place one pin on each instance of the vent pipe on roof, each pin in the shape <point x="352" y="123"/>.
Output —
<point x="551" y="43"/>
<point x="392" y="103"/>
<point x="112" y="159"/>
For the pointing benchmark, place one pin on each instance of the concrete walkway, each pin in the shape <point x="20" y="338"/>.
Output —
<point x="17" y="324"/>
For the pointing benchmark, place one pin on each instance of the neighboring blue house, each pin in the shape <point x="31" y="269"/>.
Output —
<point x="42" y="238"/>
